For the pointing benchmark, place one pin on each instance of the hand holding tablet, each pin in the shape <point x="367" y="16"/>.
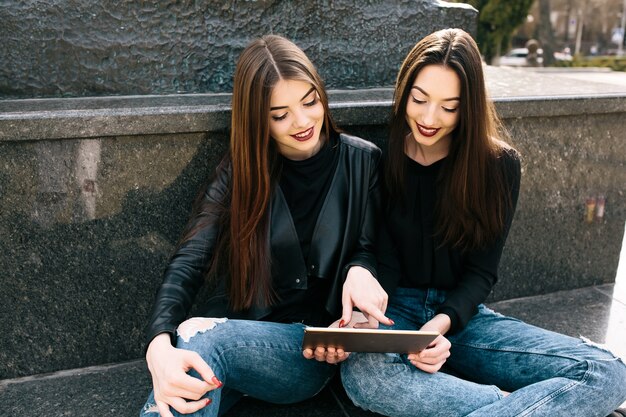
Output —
<point x="368" y="340"/>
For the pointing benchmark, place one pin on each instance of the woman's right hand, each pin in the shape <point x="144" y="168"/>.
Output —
<point x="172" y="385"/>
<point x="362" y="290"/>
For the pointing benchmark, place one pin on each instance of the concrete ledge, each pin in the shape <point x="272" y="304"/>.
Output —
<point x="73" y="118"/>
<point x="112" y="116"/>
<point x="517" y="93"/>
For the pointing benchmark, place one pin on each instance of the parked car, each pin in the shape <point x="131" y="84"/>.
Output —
<point x="516" y="57"/>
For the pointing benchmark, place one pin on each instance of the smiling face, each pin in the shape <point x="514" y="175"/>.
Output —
<point x="432" y="113"/>
<point x="296" y="119"/>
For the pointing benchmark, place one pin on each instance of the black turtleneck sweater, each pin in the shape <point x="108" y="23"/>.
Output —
<point x="411" y="256"/>
<point x="305" y="185"/>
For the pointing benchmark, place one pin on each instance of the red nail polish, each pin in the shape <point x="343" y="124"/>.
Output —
<point x="392" y="322"/>
<point x="216" y="381"/>
<point x="342" y="323"/>
<point x="208" y="401"/>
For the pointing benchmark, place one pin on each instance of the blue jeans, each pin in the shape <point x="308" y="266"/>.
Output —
<point x="548" y="374"/>
<point x="260" y="359"/>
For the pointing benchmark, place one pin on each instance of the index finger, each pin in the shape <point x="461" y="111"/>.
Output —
<point x="372" y="321"/>
<point x="197" y="363"/>
<point x="378" y="315"/>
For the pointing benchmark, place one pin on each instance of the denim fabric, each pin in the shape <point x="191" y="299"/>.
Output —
<point x="549" y="374"/>
<point x="260" y="359"/>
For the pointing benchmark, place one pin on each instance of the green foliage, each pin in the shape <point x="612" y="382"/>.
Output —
<point x="613" y="62"/>
<point x="497" y="20"/>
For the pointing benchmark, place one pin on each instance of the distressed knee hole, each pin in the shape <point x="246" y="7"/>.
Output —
<point x="602" y="347"/>
<point x="189" y="328"/>
<point x="150" y="408"/>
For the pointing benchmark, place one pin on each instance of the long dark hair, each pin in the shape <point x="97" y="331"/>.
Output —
<point x="243" y="251"/>
<point x="472" y="196"/>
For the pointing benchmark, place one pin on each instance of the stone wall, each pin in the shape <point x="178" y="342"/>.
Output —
<point x="87" y="226"/>
<point x="66" y="48"/>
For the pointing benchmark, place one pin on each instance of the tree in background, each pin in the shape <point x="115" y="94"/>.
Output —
<point x="546" y="34"/>
<point x="497" y="20"/>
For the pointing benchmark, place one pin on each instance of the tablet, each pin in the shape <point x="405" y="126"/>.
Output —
<point x="367" y="340"/>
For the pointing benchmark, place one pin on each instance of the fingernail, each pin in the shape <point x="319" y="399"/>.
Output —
<point x="208" y="401"/>
<point x="342" y="323"/>
<point x="392" y="322"/>
<point x="216" y="381"/>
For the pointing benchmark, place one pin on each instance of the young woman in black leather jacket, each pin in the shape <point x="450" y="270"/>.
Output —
<point x="284" y="234"/>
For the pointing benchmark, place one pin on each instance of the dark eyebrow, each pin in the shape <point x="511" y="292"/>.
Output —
<point x="428" y="95"/>
<point x="303" y="97"/>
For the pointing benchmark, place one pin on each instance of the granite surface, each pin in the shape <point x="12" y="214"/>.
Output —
<point x="565" y="160"/>
<point x="64" y="48"/>
<point x="582" y="312"/>
<point x="113" y="390"/>
<point x="121" y="389"/>
<point x="87" y="227"/>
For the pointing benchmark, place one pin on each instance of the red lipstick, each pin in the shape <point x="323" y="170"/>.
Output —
<point x="304" y="135"/>
<point x="428" y="132"/>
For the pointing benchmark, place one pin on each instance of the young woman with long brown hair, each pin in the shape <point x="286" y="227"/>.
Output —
<point x="451" y="187"/>
<point x="284" y="233"/>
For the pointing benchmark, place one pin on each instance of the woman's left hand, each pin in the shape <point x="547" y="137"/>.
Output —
<point x="435" y="355"/>
<point x="329" y="355"/>
<point x="332" y="355"/>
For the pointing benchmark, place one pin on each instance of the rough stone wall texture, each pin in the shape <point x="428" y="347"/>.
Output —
<point x="87" y="226"/>
<point x="69" y="48"/>
<point x="565" y="160"/>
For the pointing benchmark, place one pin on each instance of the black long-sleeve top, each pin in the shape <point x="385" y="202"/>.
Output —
<point x="410" y="255"/>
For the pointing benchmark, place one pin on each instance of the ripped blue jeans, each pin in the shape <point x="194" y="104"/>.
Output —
<point x="260" y="359"/>
<point x="548" y="374"/>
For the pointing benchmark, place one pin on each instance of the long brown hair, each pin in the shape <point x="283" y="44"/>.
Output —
<point x="472" y="198"/>
<point x="243" y="251"/>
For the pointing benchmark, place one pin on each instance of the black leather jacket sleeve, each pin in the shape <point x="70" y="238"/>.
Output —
<point x="364" y="253"/>
<point x="187" y="267"/>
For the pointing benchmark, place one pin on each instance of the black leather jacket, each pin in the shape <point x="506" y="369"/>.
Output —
<point x="343" y="237"/>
